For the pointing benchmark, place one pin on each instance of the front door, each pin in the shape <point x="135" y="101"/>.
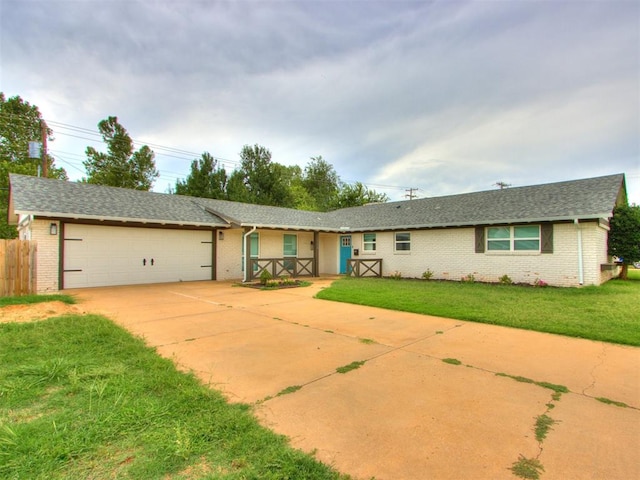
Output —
<point x="345" y="252"/>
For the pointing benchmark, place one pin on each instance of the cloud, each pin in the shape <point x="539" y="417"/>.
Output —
<point x="444" y="96"/>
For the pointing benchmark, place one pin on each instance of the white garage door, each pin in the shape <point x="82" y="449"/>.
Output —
<point x="96" y="256"/>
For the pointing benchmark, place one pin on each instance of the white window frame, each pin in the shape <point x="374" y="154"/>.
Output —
<point x="512" y="239"/>
<point x="397" y="242"/>
<point x="372" y="244"/>
<point x="285" y="235"/>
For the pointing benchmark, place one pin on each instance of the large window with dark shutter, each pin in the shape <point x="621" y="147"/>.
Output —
<point x="518" y="238"/>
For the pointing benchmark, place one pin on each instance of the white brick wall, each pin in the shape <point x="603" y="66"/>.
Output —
<point x="270" y="245"/>
<point x="450" y="255"/>
<point x="47" y="254"/>
<point x="229" y="261"/>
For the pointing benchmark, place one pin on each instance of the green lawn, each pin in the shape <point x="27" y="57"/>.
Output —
<point x="81" y="398"/>
<point x="28" y="299"/>
<point x="609" y="313"/>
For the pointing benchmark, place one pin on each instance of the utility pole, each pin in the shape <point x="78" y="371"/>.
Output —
<point x="45" y="166"/>
<point x="410" y="193"/>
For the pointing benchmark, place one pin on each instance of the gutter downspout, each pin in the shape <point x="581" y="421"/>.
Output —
<point x="580" y="255"/>
<point x="247" y="253"/>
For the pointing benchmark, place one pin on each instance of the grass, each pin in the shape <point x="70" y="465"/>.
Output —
<point x="81" y="398"/>
<point x="608" y="401"/>
<point x="30" y="299"/>
<point x="543" y="425"/>
<point x="452" y="361"/>
<point x="528" y="468"/>
<point x="351" y="366"/>
<point x="608" y="313"/>
<point x="288" y="390"/>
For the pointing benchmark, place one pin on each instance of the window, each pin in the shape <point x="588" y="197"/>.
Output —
<point x="402" y="242"/>
<point x="289" y="249"/>
<point x="290" y="245"/>
<point x="514" y="239"/>
<point x="255" y="253"/>
<point x="369" y="242"/>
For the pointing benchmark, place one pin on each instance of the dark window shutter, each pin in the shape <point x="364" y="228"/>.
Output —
<point x="479" y="239"/>
<point x="546" y="238"/>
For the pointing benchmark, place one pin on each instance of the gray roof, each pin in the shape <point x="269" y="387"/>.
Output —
<point x="55" y="198"/>
<point x="590" y="198"/>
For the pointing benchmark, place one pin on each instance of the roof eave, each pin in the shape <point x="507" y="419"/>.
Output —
<point x="565" y="218"/>
<point x="102" y="218"/>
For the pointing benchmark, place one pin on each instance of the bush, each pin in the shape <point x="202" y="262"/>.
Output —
<point x="427" y="274"/>
<point x="265" y="276"/>
<point x="395" y="275"/>
<point x="471" y="278"/>
<point x="505" y="280"/>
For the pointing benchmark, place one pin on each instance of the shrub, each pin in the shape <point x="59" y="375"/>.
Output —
<point x="540" y="283"/>
<point x="471" y="278"/>
<point x="427" y="274"/>
<point x="505" y="280"/>
<point x="395" y="275"/>
<point x="265" y="276"/>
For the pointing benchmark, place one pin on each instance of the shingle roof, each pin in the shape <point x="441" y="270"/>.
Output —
<point x="583" y="199"/>
<point x="56" y="198"/>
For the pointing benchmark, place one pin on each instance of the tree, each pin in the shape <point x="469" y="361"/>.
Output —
<point x="121" y="166"/>
<point x="321" y="182"/>
<point x="357" y="195"/>
<point x="20" y="123"/>
<point x="259" y="180"/>
<point x="624" y="236"/>
<point x="206" y="179"/>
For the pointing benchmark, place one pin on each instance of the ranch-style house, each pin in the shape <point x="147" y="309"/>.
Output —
<point x="91" y="235"/>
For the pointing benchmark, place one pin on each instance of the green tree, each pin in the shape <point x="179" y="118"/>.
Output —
<point x="259" y="180"/>
<point x="20" y="123"/>
<point x="356" y="195"/>
<point x="206" y="179"/>
<point x="120" y="166"/>
<point x="624" y="236"/>
<point x="321" y="182"/>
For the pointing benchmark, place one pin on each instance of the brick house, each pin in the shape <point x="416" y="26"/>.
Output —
<point x="90" y="235"/>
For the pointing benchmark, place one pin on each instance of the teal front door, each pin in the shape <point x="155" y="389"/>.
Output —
<point x="345" y="252"/>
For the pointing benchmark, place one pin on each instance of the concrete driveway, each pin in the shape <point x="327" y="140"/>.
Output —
<point x="405" y="413"/>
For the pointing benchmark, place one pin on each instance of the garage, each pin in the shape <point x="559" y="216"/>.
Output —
<point x="99" y="255"/>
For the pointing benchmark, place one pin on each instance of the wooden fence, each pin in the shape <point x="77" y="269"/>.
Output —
<point x="364" y="268"/>
<point x="18" y="267"/>
<point x="291" y="266"/>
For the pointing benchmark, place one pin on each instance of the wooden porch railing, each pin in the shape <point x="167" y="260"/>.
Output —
<point x="364" y="267"/>
<point x="277" y="267"/>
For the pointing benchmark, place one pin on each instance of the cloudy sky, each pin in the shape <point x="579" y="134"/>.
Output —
<point x="443" y="96"/>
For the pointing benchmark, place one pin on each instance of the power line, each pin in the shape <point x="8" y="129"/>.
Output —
<point x="410" y="195"/>
<point x="83" y="133"/>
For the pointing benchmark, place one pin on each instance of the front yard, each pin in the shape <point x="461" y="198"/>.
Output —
<point x="610" y="313"/>
<point x="82" y="398"/>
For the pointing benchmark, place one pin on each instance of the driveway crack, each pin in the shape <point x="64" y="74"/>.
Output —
<point x="601" y="358"/>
